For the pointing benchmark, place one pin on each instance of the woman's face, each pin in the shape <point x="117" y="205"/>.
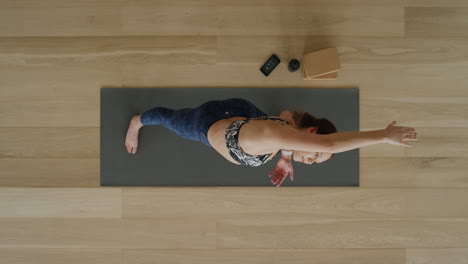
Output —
<point x="311" y="157"/>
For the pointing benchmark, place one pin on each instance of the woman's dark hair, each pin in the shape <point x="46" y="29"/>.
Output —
<point x="305" y="120"/>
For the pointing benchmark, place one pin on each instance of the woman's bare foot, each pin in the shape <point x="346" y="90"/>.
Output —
<point x="131" y="141"/>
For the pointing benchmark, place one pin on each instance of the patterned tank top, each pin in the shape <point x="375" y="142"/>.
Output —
<point x="232" y="143"/>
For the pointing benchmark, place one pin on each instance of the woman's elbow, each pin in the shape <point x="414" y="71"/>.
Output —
<point x="330" y="146"/>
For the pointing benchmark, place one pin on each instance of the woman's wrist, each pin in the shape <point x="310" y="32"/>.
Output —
<point x="287" y="153"/>
<point x="383" y="136"/>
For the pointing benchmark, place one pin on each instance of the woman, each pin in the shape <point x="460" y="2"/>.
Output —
<point x="299" y="136"/>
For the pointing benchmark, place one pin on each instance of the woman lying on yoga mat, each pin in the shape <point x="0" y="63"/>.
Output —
<point x="298" y="135"/>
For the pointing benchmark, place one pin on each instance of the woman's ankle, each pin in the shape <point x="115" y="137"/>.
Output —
<point x="137" y="120"/>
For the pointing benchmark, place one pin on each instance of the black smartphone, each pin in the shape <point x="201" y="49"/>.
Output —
<point x="270" y="65"/>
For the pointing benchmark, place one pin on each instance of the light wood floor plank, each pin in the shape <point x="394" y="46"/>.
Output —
<point x="414" y="111"/>
<point x="414" y="172"/>
<point x="435" y="3"/>
<point x="308" y="3"/>
<point x="432" y="142"/>
<point x="45" y="111"/>
<point x="61" y="3"/>
<point x="430" y="80"/>
<point x="436" y="21"/>
<point x="60" y="21"/>
<point x="108" y="233"/>
<point x="313" y="256"/>
<point x="436" y="256"/>
<point x="107" y="51"/>
<point x="336" y="20"/>
<point x="342" y="20"/>
<point x="66" y="81"/>
<point x="60" y="203"/>
<point x="60" y="256"/>
<point x="50" y="142"/>
<point x="170" y="20"/>
<point x="299" y="233"/>
<point x="50" y="172"/>
<point x="433" y="203"/>
<point x="336" y="203"/>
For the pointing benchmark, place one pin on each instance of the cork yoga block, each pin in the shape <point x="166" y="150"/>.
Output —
<point x="321" y="64"/>
<point x="327" y="76"/>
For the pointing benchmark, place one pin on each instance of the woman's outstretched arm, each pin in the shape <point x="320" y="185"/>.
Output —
<point x="289" y="138"/>
<point x="348" y="140"/>
<point x="395" y="135"/>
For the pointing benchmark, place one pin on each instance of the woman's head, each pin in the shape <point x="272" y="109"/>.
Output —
<point x="311" y="124"/>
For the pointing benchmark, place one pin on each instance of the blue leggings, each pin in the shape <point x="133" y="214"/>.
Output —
<point x="193" y="123"/>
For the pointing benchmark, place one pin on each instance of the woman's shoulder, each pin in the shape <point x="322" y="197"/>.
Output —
<point x="255" y="134"/>
<point x="283" y="117"/>
<point x="269" y="130"/>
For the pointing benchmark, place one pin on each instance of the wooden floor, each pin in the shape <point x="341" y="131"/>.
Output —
<point x="408" y="57"/>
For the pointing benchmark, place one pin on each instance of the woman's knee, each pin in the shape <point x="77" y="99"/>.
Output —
<point x="156" y="116"/>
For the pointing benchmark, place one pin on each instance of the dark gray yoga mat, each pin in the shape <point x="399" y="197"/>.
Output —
<point x="165" y="159"/>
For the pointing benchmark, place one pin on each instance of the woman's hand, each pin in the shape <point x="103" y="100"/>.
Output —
<point x="281" y="170"/>
<point x="398" y="135"/>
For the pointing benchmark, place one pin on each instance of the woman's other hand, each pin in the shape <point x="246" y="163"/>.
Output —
<point x="281" y="170"/>
<point x="398" y="135"/>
